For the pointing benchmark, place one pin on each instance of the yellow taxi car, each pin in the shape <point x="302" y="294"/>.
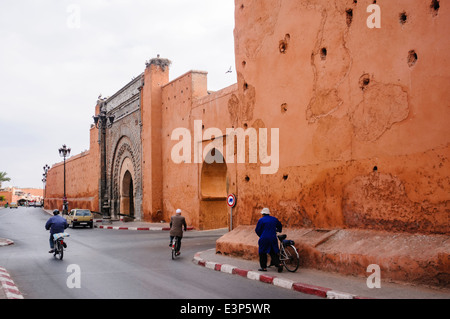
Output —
<point x="13" y="205"/>
<point x="80" y="217"/>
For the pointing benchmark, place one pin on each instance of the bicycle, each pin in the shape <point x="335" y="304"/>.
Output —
<point x="59" y="244"/>
<point x="175" y="247"/>
<point x="288" y="254"/>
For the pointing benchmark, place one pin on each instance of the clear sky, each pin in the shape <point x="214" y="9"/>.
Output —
<point x="58" y="56"/>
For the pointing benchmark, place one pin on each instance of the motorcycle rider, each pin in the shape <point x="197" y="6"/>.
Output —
<point x="56" y="225"/>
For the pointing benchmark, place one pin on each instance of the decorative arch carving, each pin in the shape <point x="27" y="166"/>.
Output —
<point x="124" y="150"/>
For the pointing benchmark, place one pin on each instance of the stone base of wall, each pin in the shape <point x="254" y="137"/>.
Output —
<point x="402" y="257"/>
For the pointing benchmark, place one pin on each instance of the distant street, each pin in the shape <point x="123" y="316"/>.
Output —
<point x="117" y="264"/>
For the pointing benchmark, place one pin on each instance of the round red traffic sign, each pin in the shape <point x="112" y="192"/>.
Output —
<point x="231" y="200"/>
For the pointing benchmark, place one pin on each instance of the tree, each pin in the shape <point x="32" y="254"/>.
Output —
<point x="3" y="178"/>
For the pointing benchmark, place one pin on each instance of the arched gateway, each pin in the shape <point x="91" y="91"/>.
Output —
<point x="126" y="194"/>
<point x="126" y="188"/>
<point x="124" y="148"/>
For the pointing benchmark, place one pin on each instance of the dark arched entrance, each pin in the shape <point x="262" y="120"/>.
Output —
<point x="214" y="185"/>
<point x="127" y="196"/>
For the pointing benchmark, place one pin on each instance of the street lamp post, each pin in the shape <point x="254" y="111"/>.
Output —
<point x="102" y="121"/>
<point x="44" y="180"/>
<point x="64" y="152"/>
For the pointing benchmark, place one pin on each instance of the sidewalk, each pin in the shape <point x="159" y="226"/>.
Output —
<point x="320" y="283"/>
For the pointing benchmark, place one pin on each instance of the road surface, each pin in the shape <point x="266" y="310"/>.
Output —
<point x="117" y="264"/>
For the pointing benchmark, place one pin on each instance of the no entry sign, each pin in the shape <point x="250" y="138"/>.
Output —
<point x="231" y="200"/>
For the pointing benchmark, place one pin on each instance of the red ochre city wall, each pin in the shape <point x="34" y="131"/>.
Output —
<point x="362" y="115"/>
<point x="82" y="179"/>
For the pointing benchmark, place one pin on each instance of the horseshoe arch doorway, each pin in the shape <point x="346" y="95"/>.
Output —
<point x="126" y="187"/>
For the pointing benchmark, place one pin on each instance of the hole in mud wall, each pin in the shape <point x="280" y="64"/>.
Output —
<point x="364" y="81"/>
<point x="412" y="58"/>
<point x="284" y="108"/>
<point x="349" y="15"/>
<point x="434" y="6"/>
<point x="375" y="168"/>
<point x="247" y="179"/>
<point x="284" y="43"/>
<point x="283" y="46"/>
<point x="245" y="86"/>
<point x="244" y="64"/>
<point x="323" y="53"/>
<point x="285" y="177"/>
<point x="245" y="125"/>
<point x="403" y="17"/>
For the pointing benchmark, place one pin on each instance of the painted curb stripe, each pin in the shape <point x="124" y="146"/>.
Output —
<point x="322" y="292"/>
<point x="311" y="289"/>
<point x="6" y="242"/>
<point x="8" y="286"/>
<point x="138" y="228"/>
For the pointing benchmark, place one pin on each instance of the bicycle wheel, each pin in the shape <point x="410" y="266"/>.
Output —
<point x="174" y="248"/>
<point x="291" y="260"/>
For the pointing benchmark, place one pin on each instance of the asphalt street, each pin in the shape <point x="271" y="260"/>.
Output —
<point x="117" y="265"/>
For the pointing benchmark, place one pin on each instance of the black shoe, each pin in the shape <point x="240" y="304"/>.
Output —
<point x="280" y="268"/>
<point x="262" y="269"/>
<point x="51" y="251"/>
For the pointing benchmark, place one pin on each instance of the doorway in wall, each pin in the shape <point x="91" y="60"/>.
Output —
<point x="214" y="184"/>
<point x="127" y="196"/>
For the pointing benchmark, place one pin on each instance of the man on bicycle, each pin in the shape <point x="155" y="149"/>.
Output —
<point x="266" y="229"/>
<point x="176" y="228"/>
<point x="56" y="225"/>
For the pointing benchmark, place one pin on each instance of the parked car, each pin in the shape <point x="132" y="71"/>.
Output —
<point x="80" y="217"/>
<point x="13" y="205"/>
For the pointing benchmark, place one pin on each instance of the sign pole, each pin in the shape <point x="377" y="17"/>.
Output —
<point x="231" y="202"/>
<point x="231" y="218"/>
